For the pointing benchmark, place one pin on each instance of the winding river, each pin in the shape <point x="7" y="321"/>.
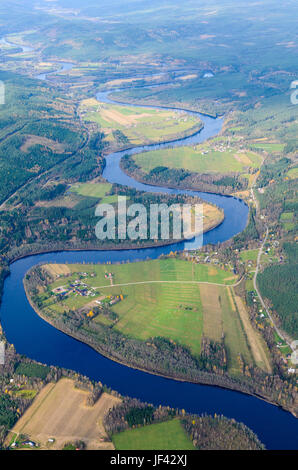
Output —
<point x="38" y="340"/>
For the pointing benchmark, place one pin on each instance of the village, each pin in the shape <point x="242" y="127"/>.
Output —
<point x="80" y="288"/>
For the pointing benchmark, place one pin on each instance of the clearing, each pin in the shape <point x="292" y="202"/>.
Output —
<point x="31" y="140"/>
<point x="59" y="412"/>
<point x="216" y="158"/>
<point x="169" y="435"/>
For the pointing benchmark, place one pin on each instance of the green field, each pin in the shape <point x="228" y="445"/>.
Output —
<point x="288" y="220"/>
<point x="172" y="298"/>
<point x="286" y="216"/>
<point x="136" y="125"/>
<point x="249" y="255"/>
<point x="96" y="190"/>
<point x="199" y="160"/>
<point x="160" y="436"/>
<point x="268" y="146"/>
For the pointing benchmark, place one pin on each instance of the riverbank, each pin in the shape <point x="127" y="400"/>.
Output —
<point x="154" y="104"/>
<point x="51" y="346"/>
<point x="94" y="247"/>
<point x="37" y="339"/>
<point x="140" y="176"/>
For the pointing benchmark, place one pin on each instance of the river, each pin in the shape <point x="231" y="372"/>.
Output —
<point x="35" y="338"/>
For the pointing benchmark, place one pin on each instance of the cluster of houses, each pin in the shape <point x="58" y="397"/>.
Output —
<point x="27" y="443"/>
<point x="77" y="287"/>
<point x="220" y="147"/>
<point x="110" y="299"/>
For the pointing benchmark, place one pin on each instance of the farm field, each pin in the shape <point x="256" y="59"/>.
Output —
<point x="200" y="159"/>
<point x="268" y="146"/>
<point x="125" y="126"/>
<point x="172" y="298"/>
<point x="160" y="436"/>
<point x="59" y="412"/>
<point x="97" y="190"/>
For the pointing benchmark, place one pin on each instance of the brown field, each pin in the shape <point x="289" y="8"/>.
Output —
<point x="212" y="315"/>
<point x="59" y="412"/>
<point x="212" y="216"/>
<point x="32" y="140"/>
<point x="57" y="269"/>
<point x="242" y="194"/>
<point x="212" y="271"/>
<point x="231" y="300"/>
<point x="121" y="81"/>
<point x="242" y="158"/>
<point x="116" y="116"/>
<point x="66" y="201"/>
<point x="256" y="342"/>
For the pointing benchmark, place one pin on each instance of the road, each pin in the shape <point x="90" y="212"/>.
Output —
<point x="170" y="282"/>
<point x="259" y="295"/>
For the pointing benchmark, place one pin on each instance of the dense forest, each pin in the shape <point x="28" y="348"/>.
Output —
<point x="280" y="285"/>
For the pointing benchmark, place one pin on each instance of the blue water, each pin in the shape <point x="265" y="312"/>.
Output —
<point x="37" y="339"/>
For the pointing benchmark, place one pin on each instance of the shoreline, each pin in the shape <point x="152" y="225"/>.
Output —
<point x="173" y="186"/>
<point x="131" y="103"/>
<point x="109" y="248"/>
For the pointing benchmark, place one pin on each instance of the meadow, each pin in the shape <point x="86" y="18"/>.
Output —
<point x="169" y="298"/>
<point x="249" y="256"/>
<point x="200" y="159"/>
<point x="169" y="435"/>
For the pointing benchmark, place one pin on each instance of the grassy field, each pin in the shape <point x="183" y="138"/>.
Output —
<point x="268" y="147"/>
<point x="160" y="436"/>
<point x="200" y="159"/>
<point x="173" y="298"/>
<point x="249" y="256"/>
<point x="59" y="412"/>
<point x="138" y="126"/>
<point x="287" y="216"/>
<point x="96" y="190"/>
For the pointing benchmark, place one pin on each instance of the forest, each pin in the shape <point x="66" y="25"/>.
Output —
<point x="279" y="284"/>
